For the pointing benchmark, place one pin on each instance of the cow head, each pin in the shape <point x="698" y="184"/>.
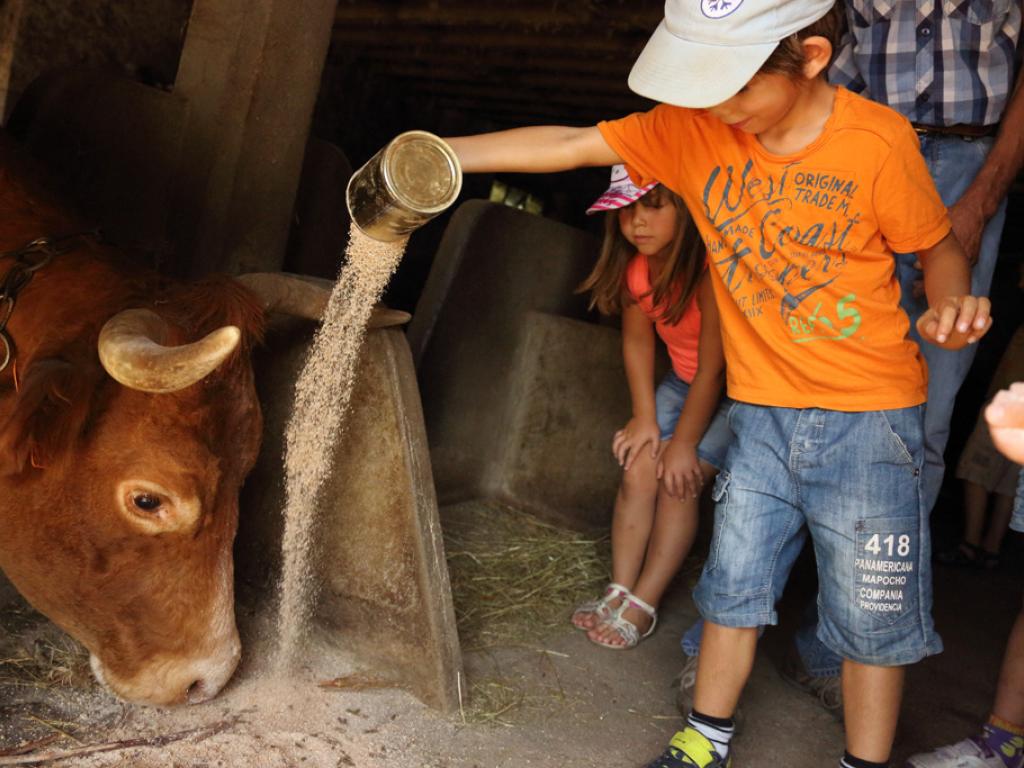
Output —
<point x="119" y="482"/>
<point x="119" y="499"/>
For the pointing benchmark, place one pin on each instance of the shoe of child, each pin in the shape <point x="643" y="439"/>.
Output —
<point x="689" y="748"/>
<point x="964" y="754"/>
<point x="827" y="690"/>
<point x="599" y="609"/>
<point x="627" y="631"/>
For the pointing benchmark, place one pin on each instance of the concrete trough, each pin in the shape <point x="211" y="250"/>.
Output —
<point x="379" y="561"/>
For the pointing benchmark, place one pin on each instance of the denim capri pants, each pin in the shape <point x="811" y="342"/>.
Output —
<point x="853" y="482"/>
<point x="668" y="404"/>
<point x="1017" y="521"/>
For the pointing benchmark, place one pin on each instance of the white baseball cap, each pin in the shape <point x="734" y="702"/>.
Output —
<point x="705" y="51"/>
<point x="620" y="193"/>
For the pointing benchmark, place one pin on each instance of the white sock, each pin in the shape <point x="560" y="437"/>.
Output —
<point x="718" y="735"/>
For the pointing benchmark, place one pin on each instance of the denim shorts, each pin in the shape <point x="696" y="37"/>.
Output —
<point x="853" y="482"/>
<point x="668" y="404"/>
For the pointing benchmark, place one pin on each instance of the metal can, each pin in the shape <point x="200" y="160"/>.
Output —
<point x="406" y="184"/>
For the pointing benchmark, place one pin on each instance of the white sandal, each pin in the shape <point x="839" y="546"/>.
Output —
<point x="601" y="608"/>
<point x="625" y="628"/>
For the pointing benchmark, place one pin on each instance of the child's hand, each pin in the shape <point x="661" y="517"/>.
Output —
<point x="1005" y="417"/>
<point x="955" y="321"/>
<point x="628" y="441"/>
<point x="679" y="470"/>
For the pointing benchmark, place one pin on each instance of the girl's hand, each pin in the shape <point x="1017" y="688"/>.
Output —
<point x="679" y="470"/>
<point x="955" y="321"/>
<point x="630" y="440"/>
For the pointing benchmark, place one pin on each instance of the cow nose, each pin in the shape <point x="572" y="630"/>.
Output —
<point x="211" y="674"/>
<point x="197" y="692"/>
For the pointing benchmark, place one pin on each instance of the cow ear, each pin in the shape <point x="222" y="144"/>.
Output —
<point x="53" y="404"/>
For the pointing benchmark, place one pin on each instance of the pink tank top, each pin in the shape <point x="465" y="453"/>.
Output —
<point x="683" y="338"/>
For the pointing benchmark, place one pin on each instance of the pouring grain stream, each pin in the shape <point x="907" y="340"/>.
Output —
<point x="322" y="395"/>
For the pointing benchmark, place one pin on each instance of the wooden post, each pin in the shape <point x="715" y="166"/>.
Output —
<point x="250" y="70"/>
<point x="10" y="20"/>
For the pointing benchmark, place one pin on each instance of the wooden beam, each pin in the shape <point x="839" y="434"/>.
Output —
<point x="487" y="94"/>
<point x="518" y="114"/>
<point x="472" y="64"/>
<point x="432" y="40"/>
<point x="250" y="70"/>
<point x="507" y="80"/>
<point x="628" y="17"/>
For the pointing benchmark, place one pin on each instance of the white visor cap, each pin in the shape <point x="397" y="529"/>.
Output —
<point x="704" y="51"/>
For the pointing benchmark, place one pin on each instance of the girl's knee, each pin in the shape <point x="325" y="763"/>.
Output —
<point x="641" y="478"/>
<point x="683" y="508"/>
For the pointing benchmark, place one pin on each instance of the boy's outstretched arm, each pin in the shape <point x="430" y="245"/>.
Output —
<point x="954" y="318"/>
<point x="538" y="149"/>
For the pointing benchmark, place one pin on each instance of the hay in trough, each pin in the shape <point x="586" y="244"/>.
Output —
<point x="515" y="579"/>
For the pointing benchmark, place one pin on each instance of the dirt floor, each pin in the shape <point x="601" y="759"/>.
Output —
<point x="561" y="701"/>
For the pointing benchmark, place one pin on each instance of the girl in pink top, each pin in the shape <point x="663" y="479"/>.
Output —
<point x="652" y="270"/>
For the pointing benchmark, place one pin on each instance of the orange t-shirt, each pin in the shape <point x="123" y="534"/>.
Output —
<point x="802" y="248"/>
<point x="681" y="339"/>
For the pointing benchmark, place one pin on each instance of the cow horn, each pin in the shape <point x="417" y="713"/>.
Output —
<point x="131" y="347"/>
<point x="306" y="296"/>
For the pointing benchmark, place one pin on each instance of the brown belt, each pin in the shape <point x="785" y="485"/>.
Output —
<point x="962" y="130"/>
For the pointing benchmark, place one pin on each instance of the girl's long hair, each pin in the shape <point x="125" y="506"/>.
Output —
<point x="671" y="289"/>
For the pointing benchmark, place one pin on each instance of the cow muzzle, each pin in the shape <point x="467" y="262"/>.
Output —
<point x="171" y="682"/>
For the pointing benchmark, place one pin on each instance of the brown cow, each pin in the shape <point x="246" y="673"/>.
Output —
<point x="119" y="501"/>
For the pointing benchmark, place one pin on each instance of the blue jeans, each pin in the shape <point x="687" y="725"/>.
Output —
<point x="953" y="164"/>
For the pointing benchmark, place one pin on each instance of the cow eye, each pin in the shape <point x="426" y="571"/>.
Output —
<point x="152" y="508"/>
<point x="146" y="502"/>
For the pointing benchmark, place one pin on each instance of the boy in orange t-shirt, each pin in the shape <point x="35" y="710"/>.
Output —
<point x="802" y="192"/>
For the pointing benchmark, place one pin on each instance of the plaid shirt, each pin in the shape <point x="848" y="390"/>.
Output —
<point x="937" y="62"/>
